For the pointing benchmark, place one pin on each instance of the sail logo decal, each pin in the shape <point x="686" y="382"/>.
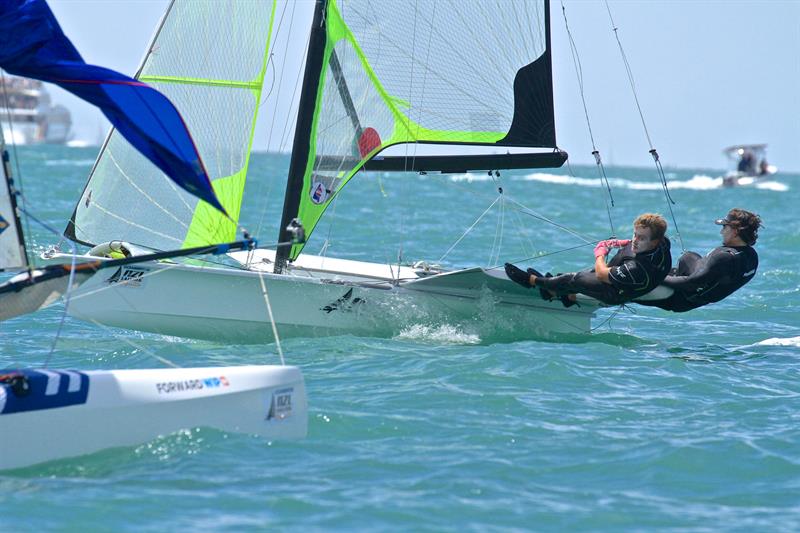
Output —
<point x="280" y="406"/>
<point x="128" y="276"/>
<point x="188" y="385"/>
<point x="3" y="224"/>
<point x="346" y="303"/>
<point x="319" y="193"/>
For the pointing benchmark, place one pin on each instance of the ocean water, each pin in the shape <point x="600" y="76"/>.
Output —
<point x="653" y="422"/>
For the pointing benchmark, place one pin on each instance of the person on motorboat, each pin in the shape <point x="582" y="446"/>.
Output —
<point x="747" y="163"/>
<point x="763" y="168"/>
<point x="699" y="281"/>
<point x="639" y="266"/>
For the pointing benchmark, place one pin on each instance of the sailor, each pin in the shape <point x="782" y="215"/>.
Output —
<point x="638" y="267"/>
<point x="699" y="281"/>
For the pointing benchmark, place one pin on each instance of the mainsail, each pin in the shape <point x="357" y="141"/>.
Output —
<point x="379" y="74"/>
<point x="209" y="58"/>
<point x="382" y="73"/>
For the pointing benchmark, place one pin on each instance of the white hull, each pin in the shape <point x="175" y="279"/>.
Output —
<point x="318" y="297"/>
<point x="130" y="407"/>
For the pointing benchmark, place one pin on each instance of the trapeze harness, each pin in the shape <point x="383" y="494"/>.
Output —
<point x="631" y="276"/>
<point x="699" y="281"/>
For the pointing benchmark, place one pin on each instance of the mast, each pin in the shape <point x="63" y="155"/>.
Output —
<point x="302" y="133"/>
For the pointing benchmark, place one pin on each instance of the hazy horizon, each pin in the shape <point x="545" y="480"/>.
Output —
<point x="708" y="75"/>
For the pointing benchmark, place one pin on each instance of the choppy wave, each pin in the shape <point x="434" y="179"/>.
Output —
<point x="69" y="162"/>
<point x="698" y="182"/>
<point x="439" y="334"/>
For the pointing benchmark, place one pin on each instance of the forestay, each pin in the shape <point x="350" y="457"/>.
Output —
<point x="209" y="58"/>
<point x="451" y="71"/>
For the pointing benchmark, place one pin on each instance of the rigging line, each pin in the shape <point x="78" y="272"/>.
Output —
<point x="265" y="185"/>
<point x="498" y="230"/>
<point x="498" y="234"/>
<point x="297" y="88"/>
<point x="134" y="345"/>
<point x="424" y="78"/>
<point x="273" y="47"/>
<point x="521" y="208"/>
<point x="615" y="29"/>
<point x="653" y="151"/>
<point x="469" y="229"/>
<point x="616" y="311"/>
<point x="531" y="213"/>
<point x="411" y="109"/>
<point x="546" y="254"/>
<point x="576" y="61"/>
<point x="523" y="235"/>
<point x="271" y="317"/>
<point x="70" y="281"/>
<point x="332" y="218"/>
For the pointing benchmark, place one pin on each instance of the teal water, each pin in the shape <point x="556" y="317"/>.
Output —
<point x="654" y="422"/>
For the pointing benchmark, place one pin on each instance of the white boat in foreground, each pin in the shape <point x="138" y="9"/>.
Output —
<point x="55" y="414"/>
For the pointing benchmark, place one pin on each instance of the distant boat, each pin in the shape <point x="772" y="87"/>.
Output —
<point x="750" y="164"/>
<point x="33" y="120"/>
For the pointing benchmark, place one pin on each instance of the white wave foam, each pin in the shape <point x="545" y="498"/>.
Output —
<point x="780" y="341"/>
<point x="470" y="177"/>
<point x="698" y="182"/>
<point x="772" y="186"/>
<point x="441" y="334"/>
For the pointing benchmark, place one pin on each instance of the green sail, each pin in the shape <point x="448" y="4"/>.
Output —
<point x="397" y="78"/>
<point x="209" y="58"/>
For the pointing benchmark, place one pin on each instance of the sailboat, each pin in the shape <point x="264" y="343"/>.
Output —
<point x="48" y="414"/>
<point x="384" y="89"/>
<point x="750" y="165"/>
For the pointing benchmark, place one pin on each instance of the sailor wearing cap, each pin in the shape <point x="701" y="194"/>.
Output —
<point x="699" y="281"/>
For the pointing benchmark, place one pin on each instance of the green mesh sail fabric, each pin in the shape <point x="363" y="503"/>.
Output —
<point x="209" y="59"/>
<point x="444" y="71"/>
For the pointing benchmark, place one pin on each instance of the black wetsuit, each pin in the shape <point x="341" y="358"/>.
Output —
<point x="631" y="275"/>
<point x="699" y="281"/>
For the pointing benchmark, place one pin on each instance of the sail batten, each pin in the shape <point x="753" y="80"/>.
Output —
<point x="255" y="84"/>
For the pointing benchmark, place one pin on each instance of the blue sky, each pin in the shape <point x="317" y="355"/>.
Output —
<point x="708" y="74"/>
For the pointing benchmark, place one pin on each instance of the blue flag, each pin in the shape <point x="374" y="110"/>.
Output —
<point x="33" y="45"/>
